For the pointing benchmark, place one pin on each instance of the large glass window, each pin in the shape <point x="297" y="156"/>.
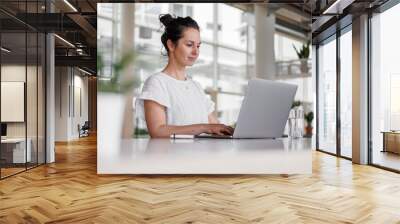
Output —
<point x="327" y="96"/>
<point x="231" y="27"/>
<point x="335" y="75"/>
<point x="205" y="18"/>
<point x="385" y="87"/>
<point x="22" y="93"/>
<point x="13" y="88"/>
<point x="231" y="70"/>
<point x="346" y="94"/>
<point x="229" y="105"/>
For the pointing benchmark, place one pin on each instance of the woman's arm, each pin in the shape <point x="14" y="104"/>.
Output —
<point x="155" y="115"/>
<point x="212" y="119"/>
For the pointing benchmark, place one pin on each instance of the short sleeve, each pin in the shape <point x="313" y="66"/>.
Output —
<point x="154" y="90"/>
<point x="210" y="105"/>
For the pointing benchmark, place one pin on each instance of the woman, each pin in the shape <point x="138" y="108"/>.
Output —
<point x="171" y="102"/>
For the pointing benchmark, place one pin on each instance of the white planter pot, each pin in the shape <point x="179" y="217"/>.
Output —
<point x="296" y="122"/>
<point x="304" y="66"/>
<point x="110" y="109"/>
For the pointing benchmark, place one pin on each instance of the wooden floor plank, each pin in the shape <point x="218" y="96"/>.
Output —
<point x="70" y="191"/>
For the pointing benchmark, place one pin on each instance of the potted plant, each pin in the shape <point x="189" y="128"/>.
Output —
<point x="296" y="103"/>
<point x="303" y="53"/>
<point x="309" y="118"/>
<point x="111" y="100"/>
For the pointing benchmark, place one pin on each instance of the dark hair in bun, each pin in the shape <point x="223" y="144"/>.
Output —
<point x="174" y="28"/>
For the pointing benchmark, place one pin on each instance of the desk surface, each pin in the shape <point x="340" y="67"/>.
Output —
<point x="13" y="140"/>
<point x="207" y="156"/>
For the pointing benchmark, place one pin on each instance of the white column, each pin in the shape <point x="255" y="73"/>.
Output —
<point x="214" y="90"/>
<point x="360" y="90"/>
<point x="127" y="44"/>
<point x="314" y="93"/>
<point x="264" y="52"/>
<point x="50" y="99"/>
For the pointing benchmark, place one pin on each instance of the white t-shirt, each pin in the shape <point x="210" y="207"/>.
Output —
<point x="184" y="100"/>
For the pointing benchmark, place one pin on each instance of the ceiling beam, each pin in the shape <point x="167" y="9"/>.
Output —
<point x="85" y="25"/>
<point x="82" y="61"/>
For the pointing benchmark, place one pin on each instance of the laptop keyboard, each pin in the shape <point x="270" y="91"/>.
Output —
<point x="204" y="135"/>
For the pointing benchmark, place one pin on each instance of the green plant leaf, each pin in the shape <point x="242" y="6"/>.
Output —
<point x="304" y="51"/>
<point x="309" y="117"/>
<point x="115" y="82"/>
<point x="296" y="103"/>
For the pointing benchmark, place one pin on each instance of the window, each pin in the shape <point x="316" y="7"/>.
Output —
<point x="177" y="9"/>
<point x="230" y="19"/>
<point x="385" y="86"/>
<point x="232" y="76"/>
<point x="284" y="50"/>
<point x="22" y="65"/>
<point x="182" y="10"/>
<point x="346" y="94"/>
<point x="327" y="96"/>
<point x="229" y="105"/>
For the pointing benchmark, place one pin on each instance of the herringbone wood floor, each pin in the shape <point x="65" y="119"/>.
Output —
<point x="70" y="191"/>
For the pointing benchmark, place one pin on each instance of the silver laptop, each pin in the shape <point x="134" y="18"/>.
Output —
<point x="264" y="111"/>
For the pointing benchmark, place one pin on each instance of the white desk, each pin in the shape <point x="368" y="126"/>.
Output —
<point x="207" y="156"/>
<point x="18" y="150"/>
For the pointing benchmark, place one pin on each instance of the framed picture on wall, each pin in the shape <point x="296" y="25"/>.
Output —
<point x="12" y="101"/>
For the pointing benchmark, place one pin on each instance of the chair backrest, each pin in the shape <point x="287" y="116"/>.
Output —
<point x="86" y="125"/>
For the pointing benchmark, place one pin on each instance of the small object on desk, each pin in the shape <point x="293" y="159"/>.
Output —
<point x="205" y="135"/>
<point x="177" y="136"/>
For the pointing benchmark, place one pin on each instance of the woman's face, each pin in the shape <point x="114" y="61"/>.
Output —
<point x="186" y="51"/>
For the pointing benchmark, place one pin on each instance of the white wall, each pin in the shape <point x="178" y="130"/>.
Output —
<point x="264" y="38"/>
<point x="80" y="83"/>
<point x="16" y="73"/>
<point x="61" y="103"/>
<point x="71" y="87"/>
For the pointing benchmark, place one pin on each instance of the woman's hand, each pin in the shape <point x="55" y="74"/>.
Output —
<point x="219" y="129"/>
